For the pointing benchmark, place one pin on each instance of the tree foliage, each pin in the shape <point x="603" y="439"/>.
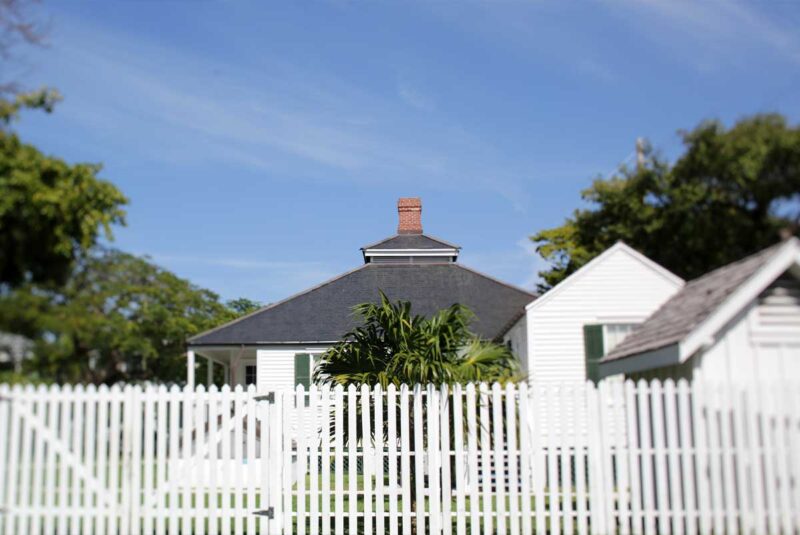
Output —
<point x="395" y="346"/>
<point x="731" y="193"/>
<point x="118" y="318"/>
<point x="51" y="212"/>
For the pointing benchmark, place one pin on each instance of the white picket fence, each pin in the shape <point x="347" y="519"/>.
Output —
<point x="623" y="458"/>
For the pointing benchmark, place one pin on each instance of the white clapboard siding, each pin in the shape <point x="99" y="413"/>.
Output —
<point x="619" y="279"/>
<point x="635" y="458"/>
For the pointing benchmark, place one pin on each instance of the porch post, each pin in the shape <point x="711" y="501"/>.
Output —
<point x="209" y="372"/>
<point x="190" y="369"/>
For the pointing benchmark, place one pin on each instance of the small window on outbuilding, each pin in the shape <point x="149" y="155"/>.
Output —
<point x="593" y="350"/>
<point x="598" y="340"/>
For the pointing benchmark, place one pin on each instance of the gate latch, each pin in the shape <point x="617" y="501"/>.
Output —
<point x="269" y="398"/>
<point x="269" y="512"/>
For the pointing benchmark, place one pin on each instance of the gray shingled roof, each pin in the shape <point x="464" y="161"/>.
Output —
<point x="324" y="313"/>
<point x="411" y="241"/>
<point x="687" y="309"/>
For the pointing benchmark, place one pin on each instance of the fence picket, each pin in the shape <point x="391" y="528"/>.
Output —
<point x="460" y="475"/>
<point x="405" y="461"/>
<point x="539" y="458"/>
<point x="366" y="459"/>
<point x="486" y="470"/>
<point x="238" y="459"/>
<point x="566" y="441"/>
<point x="512" y="453"/>
<point x="391" y="434"/>
<point x="352" y="452"/>
<point x="419" y="460"/>
<point x="250" y="463"/>
<point x="378" y="464"/>
<point x="339" y="461"/>
<point x="689" y="505"/>
<point x="472" y="460"/>
<point x="325" y="438"/>
<point x="301" y="466"/>
<point x="675" y="497"/>
<point x="313" y="462"/>
<point x="525" y="458"/>
<point x="445" y="459"/>
<point x="660" y="457"/>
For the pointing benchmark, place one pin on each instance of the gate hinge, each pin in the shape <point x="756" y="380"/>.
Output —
<point x="269" y="398"/>
<point x="269" y="512"/>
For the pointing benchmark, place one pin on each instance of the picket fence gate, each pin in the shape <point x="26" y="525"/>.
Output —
<point x="628" y="458"/>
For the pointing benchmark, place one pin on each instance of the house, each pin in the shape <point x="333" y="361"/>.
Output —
<point x="572" y="326"/>
<point x="14" y="349"/>
<point x="737" y="324"/>
<point x="275" y="346"/>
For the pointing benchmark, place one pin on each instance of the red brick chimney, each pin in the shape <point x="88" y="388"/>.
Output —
<point x="409" y="210"/>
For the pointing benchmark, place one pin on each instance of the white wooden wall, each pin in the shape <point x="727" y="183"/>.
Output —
<point x="620" y="286"/>
<point x="645" y="458"/>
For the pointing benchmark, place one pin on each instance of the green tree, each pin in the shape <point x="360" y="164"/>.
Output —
<point x="395" y="346"/>
<point x="732" y="192"/>
<point x="118" y="318"/>
<point x="242" y="306"/>
<point x="51" y="212"/>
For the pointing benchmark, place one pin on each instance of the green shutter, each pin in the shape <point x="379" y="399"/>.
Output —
<point x="593" y="349"/>
<point x="302" y="370"/>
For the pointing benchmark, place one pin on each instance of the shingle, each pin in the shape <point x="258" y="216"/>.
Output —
<point x="687" y="309"/>
<point x="324" y="313"/>
<point x="411" y="241"/>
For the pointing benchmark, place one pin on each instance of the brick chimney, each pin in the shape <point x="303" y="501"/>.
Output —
<point x="409" y="211"/>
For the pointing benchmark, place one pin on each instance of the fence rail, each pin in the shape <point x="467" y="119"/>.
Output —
<point x="628" y="458"/>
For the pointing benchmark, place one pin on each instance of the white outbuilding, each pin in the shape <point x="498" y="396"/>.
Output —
<point x="739" y="325"/>
<point x="572" y="326"/>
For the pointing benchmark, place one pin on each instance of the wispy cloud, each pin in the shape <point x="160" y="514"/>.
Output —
<point x="413" y="96"/>
<point x="711" y="32"/>
<point x="183" y="108"/>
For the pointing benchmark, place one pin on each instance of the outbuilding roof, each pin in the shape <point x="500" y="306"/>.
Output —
<point x="691" y="306"/>
<point x="325" y="313"/>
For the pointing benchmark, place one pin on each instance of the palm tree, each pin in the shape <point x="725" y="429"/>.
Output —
<point x="395" y="347"/>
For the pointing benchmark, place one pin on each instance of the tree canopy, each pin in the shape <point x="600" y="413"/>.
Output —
<point x="732" y="192"/>
<point x="118" y="317"/>
<point x="51" y="212"/>
<point x="395" y="346"/>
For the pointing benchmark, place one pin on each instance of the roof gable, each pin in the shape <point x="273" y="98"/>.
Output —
<point x="707" y="303"/>
<point x="616" y="249"/>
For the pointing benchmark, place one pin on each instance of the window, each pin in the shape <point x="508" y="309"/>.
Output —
<point x="598" y="340"/>
<point x="302" y="369"/>
<point x="250" y="375"/>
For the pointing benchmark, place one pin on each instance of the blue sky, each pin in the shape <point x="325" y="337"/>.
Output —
<point x="261" y="144"/>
